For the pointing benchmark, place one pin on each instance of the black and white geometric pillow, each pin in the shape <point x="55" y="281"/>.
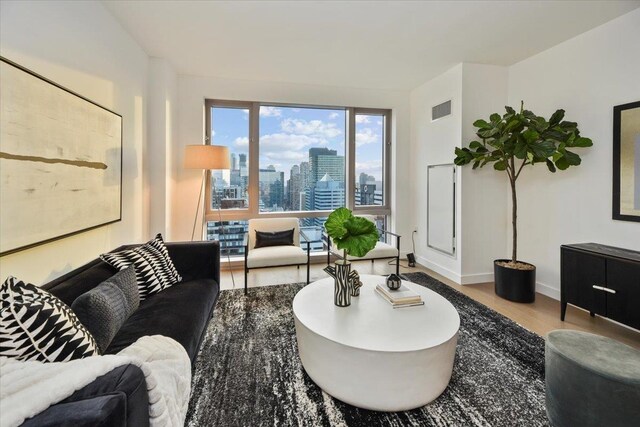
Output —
<point x="154" y="269"/>
<point x="35" y="325"/>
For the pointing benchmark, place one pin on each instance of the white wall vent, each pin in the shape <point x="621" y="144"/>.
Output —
<point x="441" y="110"/>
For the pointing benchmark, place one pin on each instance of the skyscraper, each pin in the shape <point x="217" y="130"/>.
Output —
<point x="323" y="161"/>
<point x="272" y="182"/>
<point x="326" y="195"/>
<point x="243" y="164"/>
<point x="365" y="190"/>
<point x="294" y="187"/>
<point x="305" y="176"/>
<point x="234" y="162"/>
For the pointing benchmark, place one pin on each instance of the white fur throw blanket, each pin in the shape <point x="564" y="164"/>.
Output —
<point x="28" y="388"/>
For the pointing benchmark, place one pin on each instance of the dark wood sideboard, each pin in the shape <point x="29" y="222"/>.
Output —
<point x="601" y="279"/>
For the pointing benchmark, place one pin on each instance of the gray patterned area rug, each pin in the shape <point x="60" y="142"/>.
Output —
<point x="248" y="372"/>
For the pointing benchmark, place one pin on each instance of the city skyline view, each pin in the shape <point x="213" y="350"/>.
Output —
<point x="298" y="146"/>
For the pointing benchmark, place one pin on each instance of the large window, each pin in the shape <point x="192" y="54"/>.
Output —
<point x="290" y="160"/>
<point x="229" y="126"/>
<point x="302" y="158"/>
<point x="370" y="159"/>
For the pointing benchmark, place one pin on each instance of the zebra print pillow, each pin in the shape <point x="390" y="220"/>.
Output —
<point x="35" y="325"/>
<point x="153" y="266"/>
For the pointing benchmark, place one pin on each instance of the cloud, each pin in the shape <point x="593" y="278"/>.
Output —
<point x="366" y="136"/>
<point x="373" y="167"/>
<point x="241" y="141"/>
<point x="266" y="111"/>
<point x="296" y="157"/>
<point x="334" y="116"/>
<point x="315" y="128"/>
<point x="288" y="142"/>
<point x="362" y="119"/>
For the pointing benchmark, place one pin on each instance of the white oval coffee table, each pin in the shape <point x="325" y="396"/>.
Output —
<point x="371" y="355"/>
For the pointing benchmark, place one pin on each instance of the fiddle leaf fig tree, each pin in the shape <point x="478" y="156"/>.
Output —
<point x="518" y="139"/>
<point x="356" y="236"/>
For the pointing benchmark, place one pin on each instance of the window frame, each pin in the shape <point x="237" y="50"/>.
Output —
<point x="385" y="208"/>
<point x="253" y="211"/>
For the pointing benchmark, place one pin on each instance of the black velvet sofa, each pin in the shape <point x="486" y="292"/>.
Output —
<point x="181" y="312"/>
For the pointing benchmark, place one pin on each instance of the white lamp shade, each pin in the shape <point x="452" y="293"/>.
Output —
<point x="206" y="157"/>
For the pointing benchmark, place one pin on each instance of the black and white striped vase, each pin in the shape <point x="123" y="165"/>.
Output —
<point x="342" y="289"/>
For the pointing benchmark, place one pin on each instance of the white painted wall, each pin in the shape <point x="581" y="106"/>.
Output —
<point x="475" y="91"/>
<point x="586" y="76"/>
<point x="192" y="91"/>
<point x="484" y="191"/>
<point x="162" y="133"/>
<point x="432" y="143"/>
<point x="81" y="46"/>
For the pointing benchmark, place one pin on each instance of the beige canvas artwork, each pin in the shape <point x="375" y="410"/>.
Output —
<point x="60" y="161"/>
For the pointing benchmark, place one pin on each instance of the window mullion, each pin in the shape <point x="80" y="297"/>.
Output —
<point x="254" y="159"/>
<point x="350" y="163"/>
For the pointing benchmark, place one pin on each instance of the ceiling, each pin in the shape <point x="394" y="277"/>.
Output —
<point x="368" y="44"/>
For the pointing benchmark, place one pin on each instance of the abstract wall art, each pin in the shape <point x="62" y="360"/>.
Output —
<point x="626" y="162"/>
<point x="60" y="161"/>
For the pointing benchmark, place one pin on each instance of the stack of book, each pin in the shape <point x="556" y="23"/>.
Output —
<point x="403" y="297"/>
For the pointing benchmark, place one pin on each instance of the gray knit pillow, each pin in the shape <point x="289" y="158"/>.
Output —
<point x="125" y="280"/>
<point x="104" y="309"/>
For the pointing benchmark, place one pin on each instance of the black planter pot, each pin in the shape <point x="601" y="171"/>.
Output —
<point x="514" y="285"/>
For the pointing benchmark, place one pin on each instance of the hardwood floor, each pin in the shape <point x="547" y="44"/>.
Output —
<point x="540" y="317"/>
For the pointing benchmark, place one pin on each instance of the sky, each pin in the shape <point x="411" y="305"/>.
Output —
<point x="287" y="133"/>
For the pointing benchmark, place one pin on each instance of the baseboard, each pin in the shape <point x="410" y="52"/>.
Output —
<point x="547" y="290"/>
<point x="469" y="279"/>
<point x="439" y="269"/>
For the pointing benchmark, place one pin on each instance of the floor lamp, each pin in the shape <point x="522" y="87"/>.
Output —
<point x="207" y="157"/>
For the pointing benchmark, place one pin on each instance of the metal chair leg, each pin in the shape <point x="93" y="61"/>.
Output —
<point x="308" y="260"/>
<point x="246" y="271"/>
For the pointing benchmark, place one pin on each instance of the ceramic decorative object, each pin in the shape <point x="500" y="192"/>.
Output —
<point x="356" y="284"/>
<point x="342" y="288"/>
<point x="394" y="282"/>
<point x="354" y="236"/>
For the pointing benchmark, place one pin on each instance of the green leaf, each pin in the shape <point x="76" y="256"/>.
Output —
<point x="572" y="158"/>
<point x="463" y="156"/>
<point x="582" y="142"/>
<point x="335" y="223"/>
<point x="543" y="149"/>
<point x="568" y="126"/>
<point x="474" y="145"/>
<point x="362" y="236"/>
<point x="551" y="166"/>
<point x="495" y="118"/>
<point x="530" y="135"/>
<point x="488" y="133"/>
<point x="500" y="166"/>
<point x="509" y="109"/>
<point x="482" y="124"/>
<point x="520" y="150"/>
<point x="556" y="118"/>
<point x="512" y="125"/>
<point x="561" y="163"/>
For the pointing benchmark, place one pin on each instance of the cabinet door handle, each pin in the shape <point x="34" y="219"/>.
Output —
<point x="602" y="288"/>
